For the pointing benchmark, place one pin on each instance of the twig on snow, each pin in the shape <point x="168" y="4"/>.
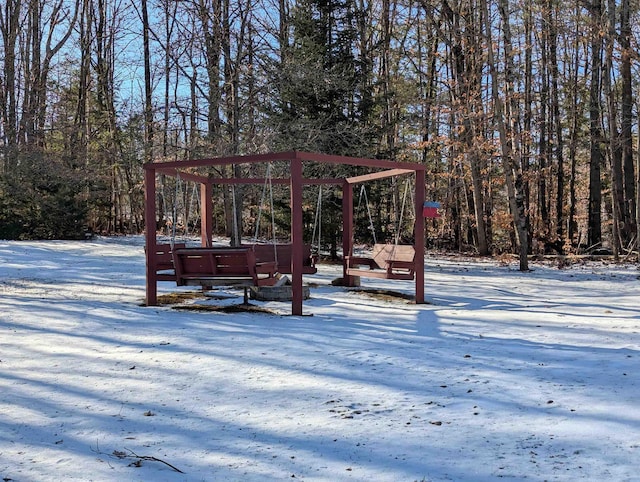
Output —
<point x="132" y="454"/>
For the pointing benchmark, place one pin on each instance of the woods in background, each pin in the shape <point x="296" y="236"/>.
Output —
<point x="525" y="113"/>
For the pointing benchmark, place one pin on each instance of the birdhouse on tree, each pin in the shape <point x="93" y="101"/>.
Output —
<point x="430" y="209"/>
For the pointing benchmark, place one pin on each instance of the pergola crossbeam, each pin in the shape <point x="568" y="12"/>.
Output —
<point x="378" y="175"/>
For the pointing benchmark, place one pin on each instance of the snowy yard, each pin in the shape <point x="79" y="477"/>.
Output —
<point x="503" y="376"/>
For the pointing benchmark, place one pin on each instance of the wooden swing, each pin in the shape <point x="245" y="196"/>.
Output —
<point x="274" y="252"/>
<point x="388" y="261"/>
<point x="209" y="266"/>
<point x="162" y="261"/>
<point x="222" y="266"/>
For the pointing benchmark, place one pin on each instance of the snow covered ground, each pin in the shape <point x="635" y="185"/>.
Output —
<point x="503" y="376"/>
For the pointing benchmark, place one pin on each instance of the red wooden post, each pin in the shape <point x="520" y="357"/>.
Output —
<point x="297" y="231"/>
<point x="150" y="235"/>
<point x="419" y="235"/>
<point x="206" y="216"/>
<point x="347" y="230"/>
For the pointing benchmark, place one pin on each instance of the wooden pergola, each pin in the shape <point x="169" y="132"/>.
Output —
<point x="188" y="169"/>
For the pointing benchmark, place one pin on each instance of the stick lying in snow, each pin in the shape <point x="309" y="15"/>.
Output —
<point x="132" y="455"/>
<point x="122" y="455"/>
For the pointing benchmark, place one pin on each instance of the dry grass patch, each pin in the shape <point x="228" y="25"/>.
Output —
<point x="179" y="297"/>
<point x="188" y="301"/>
<point x="385" y="295"/>
<point x="235" y="308"/>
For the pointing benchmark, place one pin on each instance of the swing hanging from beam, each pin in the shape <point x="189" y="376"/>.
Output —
<point x="388" y="261"/>
<point x="162" y="261"/>
<point x="274" y="252"/>
<point x="209" y="266"/>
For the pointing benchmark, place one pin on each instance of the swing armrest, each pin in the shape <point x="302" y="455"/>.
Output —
<point x="267" y="267"/>
<point x="356" y="261"/>
<point x="393" y="264"/>
<point x="313" y="259"/>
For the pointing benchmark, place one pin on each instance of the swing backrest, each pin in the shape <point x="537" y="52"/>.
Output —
<point x="163" y="260"/>
<point x="283" y="251"/>
<point x="383" y="254"/>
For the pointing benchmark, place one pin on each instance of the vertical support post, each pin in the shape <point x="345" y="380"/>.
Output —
<point x="419" y="235"/>
<point x="297" y="231"/>
<point x="206" y="216"/>
<point x="347" y="230"/>
<point x="151" y="298"/>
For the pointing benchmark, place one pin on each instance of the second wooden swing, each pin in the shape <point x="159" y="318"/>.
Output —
<point x="388" y="261"/>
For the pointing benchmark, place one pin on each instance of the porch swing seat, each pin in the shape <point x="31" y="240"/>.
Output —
<point x="387" y="261"/>
<point x="222" y="266"/>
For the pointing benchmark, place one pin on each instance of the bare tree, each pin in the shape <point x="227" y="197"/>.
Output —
<point x="148" y="88"/>
<point x="464" y="41"/>
<point x="10" y="29"/>
<point x="596" y="135"/>
<point x="626" y="123"/>
<point x="508" y="128"/>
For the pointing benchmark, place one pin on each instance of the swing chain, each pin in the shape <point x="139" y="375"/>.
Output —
<point x="317" y="224"/>
<point x="363" y="194"/>
<point x="404" y="201"/>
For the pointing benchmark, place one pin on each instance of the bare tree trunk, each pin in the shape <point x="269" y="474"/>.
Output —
<point x="10" y="27"/>
<point x="148" y="100"/>
<point x="615" y="225"/>
<point x="426" y="49"/>
<point x="638" y="188"/>
<point x="544" y="161"/>
<point x="529" y="105"/>
<point x="170" y="9"/>
<point x="387" y="127"/>
<point x="615" y="151"/>
<point x="464" y="43"/>
<point x="594" y="235"/>
<point x="626" y="134"/>
<point x="557" y="122"/>
<point x="510" y="138"/>
<point x="573" y="140"/>
<point x="43" y="41"/>
<point x="209" y="13"/>
<point x="31" y="64"/>
<point x="80" y="131"/>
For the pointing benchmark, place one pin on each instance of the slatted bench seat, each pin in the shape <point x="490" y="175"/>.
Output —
<point x="387" y="261"/>
<point x="283" y="252"/>
<point x="222" y="266"/>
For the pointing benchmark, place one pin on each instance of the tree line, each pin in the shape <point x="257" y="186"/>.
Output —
<point x="525" y="113"/>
